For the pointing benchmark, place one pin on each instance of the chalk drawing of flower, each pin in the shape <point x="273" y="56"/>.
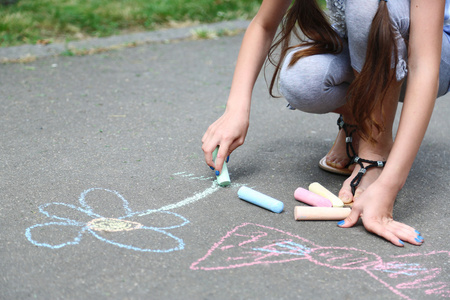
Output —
<point x="113" y="222"/>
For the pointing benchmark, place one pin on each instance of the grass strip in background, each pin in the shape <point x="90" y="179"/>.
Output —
<point x="48" y="21"/>
<point x="33" y="21"/>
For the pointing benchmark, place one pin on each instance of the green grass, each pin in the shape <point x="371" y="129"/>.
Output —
<point x="46" y="21"/>
<point x="29" y="21"/>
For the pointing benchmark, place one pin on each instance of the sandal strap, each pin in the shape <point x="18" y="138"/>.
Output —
<point x="354" y="158"/>
<point x="371" y="164"/>
<point x="349" y="130"/>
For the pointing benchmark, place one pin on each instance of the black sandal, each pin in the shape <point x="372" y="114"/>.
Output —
<point x="348" y="130"/>
<point x="354" y="158"/>
<point x="360" y="161"/>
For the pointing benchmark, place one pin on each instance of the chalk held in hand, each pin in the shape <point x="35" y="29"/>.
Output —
<point x="311" y="198"/>
<point x="318" y="189"/>
<point x="257" y="198"/>
<point x="307" y="213"/>
<point x="224" y="178"/>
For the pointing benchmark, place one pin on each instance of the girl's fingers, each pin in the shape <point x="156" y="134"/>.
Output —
<point x="207" y="150"/>
<point x="351" y="220"/>
<point x="406" y="233"/>
<point x="382" y="231"/>
<point x="395" y="232"/>
<point x="223" y="155"/>
<point x="220" y="159"/>
<point x="225" y="152"/>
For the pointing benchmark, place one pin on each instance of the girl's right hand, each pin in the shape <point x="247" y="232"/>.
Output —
<point x="375" y="206"/>
<point x="228" y="132"/>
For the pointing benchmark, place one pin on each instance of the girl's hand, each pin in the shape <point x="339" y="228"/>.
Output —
<point x="375" y="206"/>
<point x="228" y="132"/>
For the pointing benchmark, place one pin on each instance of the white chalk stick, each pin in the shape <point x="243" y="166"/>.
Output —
<point x="317" y="188"/>
<point x="224" y="178"/>
<point x="307" y="213"/>
<point x="257" y="198"/>
<point x="311" y="198"/>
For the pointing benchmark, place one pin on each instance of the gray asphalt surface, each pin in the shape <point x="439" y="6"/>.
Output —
<point x="117" y="135"/>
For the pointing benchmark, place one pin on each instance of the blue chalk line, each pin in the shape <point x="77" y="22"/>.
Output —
<point x="85" y="228"/>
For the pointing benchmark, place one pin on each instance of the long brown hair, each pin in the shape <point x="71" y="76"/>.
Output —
<point x="367" y="91"/>
<point x="369" y="87"/>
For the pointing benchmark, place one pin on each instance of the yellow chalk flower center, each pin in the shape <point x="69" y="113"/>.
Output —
<point x="113" y="225"/>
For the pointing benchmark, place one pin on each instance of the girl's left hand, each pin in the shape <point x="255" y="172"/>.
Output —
<point x="375" y="206"/>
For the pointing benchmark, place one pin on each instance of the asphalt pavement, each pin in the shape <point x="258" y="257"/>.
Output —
<point x="105" y="193"/>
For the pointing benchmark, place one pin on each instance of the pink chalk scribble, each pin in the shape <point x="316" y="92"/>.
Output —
<point x="252" y="244"/>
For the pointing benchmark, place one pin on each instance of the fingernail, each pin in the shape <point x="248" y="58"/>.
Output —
<point x="417" y="232"/>
<point x="211" y="168"/>
<point x="401" y="242"/>
<point x="341" y="222"/>
<point x="217" y="173"/>
<point x="419" y="239"/>
<point x="228" y="158"/>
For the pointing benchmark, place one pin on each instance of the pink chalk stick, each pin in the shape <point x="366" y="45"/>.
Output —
<point x="310" y="198"/>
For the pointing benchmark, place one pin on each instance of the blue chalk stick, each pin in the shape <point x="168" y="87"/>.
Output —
<point x="260" y="199"/>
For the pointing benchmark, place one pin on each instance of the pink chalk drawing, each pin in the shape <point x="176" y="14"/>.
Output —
<point x="252" y="244"/>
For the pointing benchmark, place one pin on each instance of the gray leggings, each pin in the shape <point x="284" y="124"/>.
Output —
<point x="319" y="83"/>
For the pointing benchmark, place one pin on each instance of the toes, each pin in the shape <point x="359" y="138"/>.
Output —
<point x="335" y="162"/>
<point x="329" y="160"/>
<point x="345" y="194"/>
<point x="331" y="163"/>
<point x="340" y="164"/>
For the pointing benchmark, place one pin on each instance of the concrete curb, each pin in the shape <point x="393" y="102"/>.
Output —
<point x="31" y="52"/>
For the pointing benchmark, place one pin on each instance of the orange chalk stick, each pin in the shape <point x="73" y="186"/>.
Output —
<point x="307" y="213"/>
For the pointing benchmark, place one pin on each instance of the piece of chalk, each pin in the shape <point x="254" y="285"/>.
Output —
<point x="311" y="198"/>
<point x="224" y="178"/>
<point x="257" y="198"/>
<point x="308" y="213"/>
<point x="317" y="188"/>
